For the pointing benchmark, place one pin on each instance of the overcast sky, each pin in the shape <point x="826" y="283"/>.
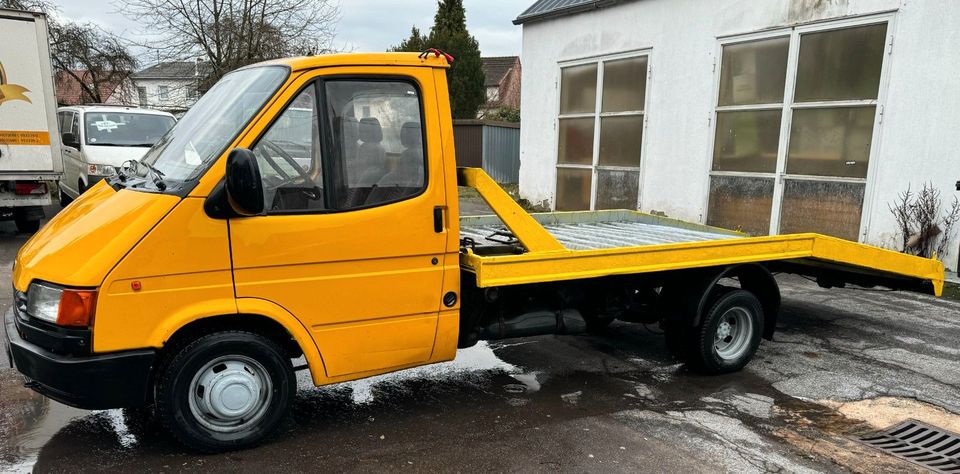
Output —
<point x="365" y="25"/>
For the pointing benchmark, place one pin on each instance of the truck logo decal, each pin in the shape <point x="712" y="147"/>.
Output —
<point x="11" y="91"/>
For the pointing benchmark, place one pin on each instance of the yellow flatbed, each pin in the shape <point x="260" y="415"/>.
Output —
<point x="515" y="248"/>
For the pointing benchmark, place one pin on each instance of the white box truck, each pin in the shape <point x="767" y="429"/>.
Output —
<point x="29" y="138"/>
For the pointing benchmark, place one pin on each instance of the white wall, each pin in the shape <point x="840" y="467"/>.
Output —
<point x="176" y="99"/>
<point x="919" y="138"/>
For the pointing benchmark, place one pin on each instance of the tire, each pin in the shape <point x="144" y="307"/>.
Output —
<point x="64" y="199"/>
<point x="729" y="333"/>
<point x="225" y="391"/>
<point x="26" y="226"/>
<point x="80" y="188"/>
<point x="727" y="337"/>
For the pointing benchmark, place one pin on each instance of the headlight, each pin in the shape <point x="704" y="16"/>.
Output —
<point x="100" y="170"/>
<point x="43" y="301"/>
<point x="62" y="306"/>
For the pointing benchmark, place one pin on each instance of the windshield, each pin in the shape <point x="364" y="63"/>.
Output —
<point x="125" y="129"/>
<point x="209" y="126"/>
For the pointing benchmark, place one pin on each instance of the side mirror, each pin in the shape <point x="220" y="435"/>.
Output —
<point x="70" y="139"/>
<point x="244" y="188"/>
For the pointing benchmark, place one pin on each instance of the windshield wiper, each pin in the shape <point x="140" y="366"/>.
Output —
<point x="133" y="165"/>
<point x="157" y="176"/>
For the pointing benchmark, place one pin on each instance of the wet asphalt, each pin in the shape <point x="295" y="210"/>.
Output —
<point x="843" y="363"/>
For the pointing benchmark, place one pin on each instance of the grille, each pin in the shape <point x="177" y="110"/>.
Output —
<point x="919" y="443"/>
<point x="20" y="301"/>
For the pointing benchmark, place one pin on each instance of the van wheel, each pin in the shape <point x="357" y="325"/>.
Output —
<point x="726" y="338"/>
<point x="26" y="226"/>
<point x="80" y="187"/>
<point x="225" y="391"/>
<point x="64" y="199"/>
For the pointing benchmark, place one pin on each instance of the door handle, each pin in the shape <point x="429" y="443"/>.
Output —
<point x="438" y="219"/>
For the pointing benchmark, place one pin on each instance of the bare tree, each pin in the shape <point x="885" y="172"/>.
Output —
<point x="97" y="60"/>
<point x="232" y="33"/>
<point x="925" y="229"/>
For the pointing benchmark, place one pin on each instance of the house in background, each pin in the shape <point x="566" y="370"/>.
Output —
<point x="778" y="116"/>
<point x="70" y="92"/>
<point x="169" y="86"/>
<point x="502" y="83"/>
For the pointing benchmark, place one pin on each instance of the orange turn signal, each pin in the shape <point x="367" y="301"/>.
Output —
<point x="77" y="308"/>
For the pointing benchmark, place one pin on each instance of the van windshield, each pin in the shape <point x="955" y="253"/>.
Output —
<point x="210" y="126"/>
<point x="124" y="128"/>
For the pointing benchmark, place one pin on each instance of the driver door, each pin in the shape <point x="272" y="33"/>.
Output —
<point x="348" y="244"/>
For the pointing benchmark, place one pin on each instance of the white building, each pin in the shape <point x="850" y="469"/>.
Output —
<point x="775" y="116"/>
<point x="168" y="86"/>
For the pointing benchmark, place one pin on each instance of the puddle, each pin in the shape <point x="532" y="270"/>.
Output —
<point x="27" y="421"/>
<point x="470" y="361"/>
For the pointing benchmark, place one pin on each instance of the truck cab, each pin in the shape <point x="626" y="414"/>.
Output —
<point x="188" y="287"/>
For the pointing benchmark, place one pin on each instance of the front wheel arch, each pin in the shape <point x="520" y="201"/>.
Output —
<point x="253" y="323"/>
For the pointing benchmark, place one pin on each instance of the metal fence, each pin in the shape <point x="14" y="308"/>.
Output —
<point x="493" y="146"/>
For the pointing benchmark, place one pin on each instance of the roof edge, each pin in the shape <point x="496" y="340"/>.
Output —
<point x="566" y="11"/>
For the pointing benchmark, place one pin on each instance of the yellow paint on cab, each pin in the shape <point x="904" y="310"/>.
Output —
<point x="83" y="242"/>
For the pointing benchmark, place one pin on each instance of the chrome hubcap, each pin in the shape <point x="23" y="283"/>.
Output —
<point x="734" y="333"/>
<point x="230" y="393"/>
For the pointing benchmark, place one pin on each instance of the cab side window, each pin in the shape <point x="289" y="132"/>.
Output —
<point x="378" y="141"/>
<point x="64" y="120"/>
<point x="289" y="157"/>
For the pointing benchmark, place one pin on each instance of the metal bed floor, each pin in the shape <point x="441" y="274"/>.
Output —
<point x="597" y="230"/>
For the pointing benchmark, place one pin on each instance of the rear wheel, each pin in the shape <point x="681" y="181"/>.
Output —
<point x="224" y="391"/>
<point x="726" y="338"/>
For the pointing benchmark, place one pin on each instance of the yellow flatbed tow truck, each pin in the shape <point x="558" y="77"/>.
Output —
<point x="308" y="207"/>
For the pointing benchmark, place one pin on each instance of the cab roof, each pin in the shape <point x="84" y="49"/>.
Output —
<point x="359" y="59"/>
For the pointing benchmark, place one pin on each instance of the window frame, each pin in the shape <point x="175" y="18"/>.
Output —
<point x="330" y="149"/>
<point x="597" y="115"/>
<point x="163" y="92"/>
<point x="787" y="107"/>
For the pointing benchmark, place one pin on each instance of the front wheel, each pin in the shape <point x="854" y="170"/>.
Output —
<point x="27" y="226"/>
<point x="65" y="200"/>
<point x="225" y="391"/>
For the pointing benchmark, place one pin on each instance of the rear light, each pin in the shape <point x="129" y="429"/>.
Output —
<point x="26" y="188"/>
<point x="77" y="308"/>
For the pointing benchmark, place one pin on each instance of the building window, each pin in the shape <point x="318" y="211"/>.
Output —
<point x="493" y="94"/>
<point x="142" y="96"/>
<point x="794" y="126"/>
<point x="600" y="133"/>
<point x="163" y="92"/>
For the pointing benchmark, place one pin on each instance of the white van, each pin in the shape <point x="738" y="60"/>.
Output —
<point x="98" y="139"/>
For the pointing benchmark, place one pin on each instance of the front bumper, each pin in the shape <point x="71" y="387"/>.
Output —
<point x="95" y="382"/>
